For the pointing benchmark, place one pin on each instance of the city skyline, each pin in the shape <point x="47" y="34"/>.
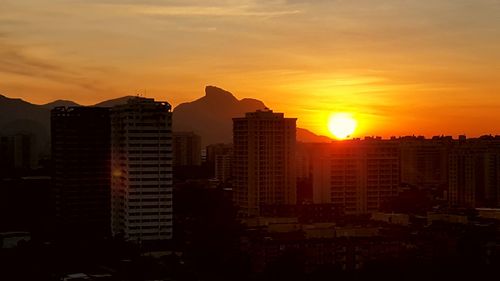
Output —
<point x="401" y="68"/>
<point x="337" y="125"/>
<point x="349" y="207"/>
<point x="202" y="140"/>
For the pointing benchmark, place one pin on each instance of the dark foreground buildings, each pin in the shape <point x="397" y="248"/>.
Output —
<point x="306" y="208"/>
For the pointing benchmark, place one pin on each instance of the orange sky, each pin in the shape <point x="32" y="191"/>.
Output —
<point x="400" y="67"/>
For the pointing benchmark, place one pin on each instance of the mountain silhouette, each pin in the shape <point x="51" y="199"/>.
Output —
<point x="209" y="116"/>
<point x="57" y="103"/>
<point x="113" y="102"/>
<point x="304" y="135"/>
<point x="13" y="108"/>
<point x="20" y="117"/>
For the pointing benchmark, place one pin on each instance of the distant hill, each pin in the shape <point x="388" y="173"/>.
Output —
<point x="209" y="116"/>
<point x="57" y="103"/>
<point x="304" y="135"/>
<point x="18" y="116"/>
<point x="12" y="108"/>
<point x="113" y="102"/>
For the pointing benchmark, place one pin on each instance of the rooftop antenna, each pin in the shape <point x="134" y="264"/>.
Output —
<point x="139" y="93"/>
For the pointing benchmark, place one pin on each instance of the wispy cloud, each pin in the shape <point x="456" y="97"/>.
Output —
<point x="196" y="9"/>
<point x="213" y="11"/>
<point x="15" y="59"/>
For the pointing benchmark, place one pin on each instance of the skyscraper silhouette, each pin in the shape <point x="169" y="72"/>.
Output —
<point x="142" y="170"/>
<point x="81" y="179"/>
<point x="263" y="161"/>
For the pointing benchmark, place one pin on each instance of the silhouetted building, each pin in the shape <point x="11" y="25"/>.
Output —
<point x="223" y="167"/>
<point x="263" y="161"/>
<point x="424" y="164"/>
<point x="142" y="170"/>
<point x="312" y="163"/>
<point x="81" y="181"/>
<point x="474" y="173"/>
<point x="219" y="160"/>
<point x="17" y="152"/>
<point x="187" y="149"/>
<point x="218" y="149"/>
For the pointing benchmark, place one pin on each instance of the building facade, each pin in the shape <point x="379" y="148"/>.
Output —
<point x="263" y="161"/>
<point x="142" y="170"/>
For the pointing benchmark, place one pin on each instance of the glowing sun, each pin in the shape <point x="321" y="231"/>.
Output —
<point x="342" y="125"/>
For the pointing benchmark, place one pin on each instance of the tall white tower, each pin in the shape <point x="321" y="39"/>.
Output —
<point x="141" y="137"/>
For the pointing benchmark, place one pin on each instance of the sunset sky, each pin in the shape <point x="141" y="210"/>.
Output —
<point x="398" y="66"/>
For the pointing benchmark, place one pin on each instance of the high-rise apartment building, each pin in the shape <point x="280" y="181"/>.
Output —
<point x="80" y="139"/>
<point x="263" y="161"/>
<point x="142" y="170"/>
